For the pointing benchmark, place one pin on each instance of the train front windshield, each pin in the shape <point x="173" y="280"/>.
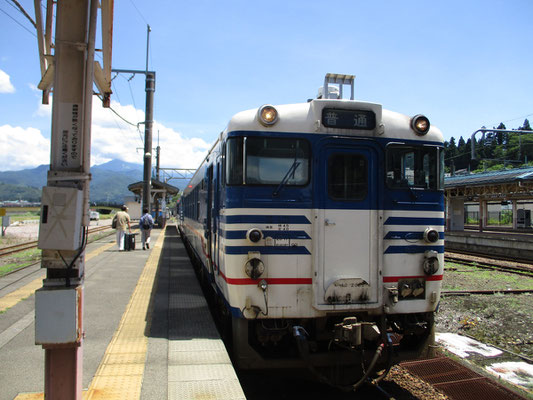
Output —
<point x="420" y="167"/>
<point x="267" y="161"/>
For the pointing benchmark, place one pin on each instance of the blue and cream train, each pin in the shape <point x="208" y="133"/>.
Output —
<point x="319" y="228"/>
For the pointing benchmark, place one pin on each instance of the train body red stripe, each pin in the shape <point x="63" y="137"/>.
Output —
<point x="389" y="279"/>
<point x="270" y="281"/>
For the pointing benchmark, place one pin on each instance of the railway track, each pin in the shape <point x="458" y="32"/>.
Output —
<point x="486" y="292"/>
<point x="5" y="251"/>
<point x="486" y="263"/>
<point x="28" y="246"/>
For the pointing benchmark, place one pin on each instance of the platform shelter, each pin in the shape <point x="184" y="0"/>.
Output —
<point x="160" y="192"/>
<point x="510" y="190"/>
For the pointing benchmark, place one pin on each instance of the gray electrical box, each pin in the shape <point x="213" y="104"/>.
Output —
<point x="61" y="213"/>
<point x="57" y="318"/>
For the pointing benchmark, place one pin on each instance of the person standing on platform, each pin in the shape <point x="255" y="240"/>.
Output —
<point x="120" y="222"/>
<point x="146" y="223"/>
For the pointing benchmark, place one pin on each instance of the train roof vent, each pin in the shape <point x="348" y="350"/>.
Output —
<point x="334" y="92"/>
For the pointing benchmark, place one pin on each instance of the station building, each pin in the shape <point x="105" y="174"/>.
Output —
<point x="491" y="199"/>
<point x="490" y="213"/>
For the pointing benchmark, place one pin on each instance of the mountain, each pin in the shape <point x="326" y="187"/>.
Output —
<point x="109" y="182"/>
<point x="35" y="177"/>
<point x="118" y="166"/>
<point x="19" y="192"/>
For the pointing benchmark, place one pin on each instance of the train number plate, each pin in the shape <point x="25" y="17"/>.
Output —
<point x="282" y="242"/>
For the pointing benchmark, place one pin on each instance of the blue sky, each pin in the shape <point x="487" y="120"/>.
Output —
<point x="464" y="64"/>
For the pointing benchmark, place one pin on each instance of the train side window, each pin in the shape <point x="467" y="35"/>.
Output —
<point x="222" y="167"/>
<point x="234" y="161"/>
<point x="347" y="177"/>
<point x="270" y="161"/>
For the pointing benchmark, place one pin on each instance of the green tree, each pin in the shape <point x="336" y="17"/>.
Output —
<point x="525" y="126"/>
<point x="450" y="151"/>
<point x="501" y="137"/>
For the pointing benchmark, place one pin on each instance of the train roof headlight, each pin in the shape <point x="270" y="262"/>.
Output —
<point x="420" y="124"/>
<point x="267" y="115"/>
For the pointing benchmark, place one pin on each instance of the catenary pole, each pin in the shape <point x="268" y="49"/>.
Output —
<point x="65" y="206"/>
<point x="147" y="177"/>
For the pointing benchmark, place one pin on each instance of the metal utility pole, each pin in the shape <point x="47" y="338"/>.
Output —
<point x="148" y="123"/>
<point x="157" y="166"/>
<point x="147" y="177"/>
<point x="65" y="200"/>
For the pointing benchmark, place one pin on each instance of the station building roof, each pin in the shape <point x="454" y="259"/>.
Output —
<point x="511" y="183"/>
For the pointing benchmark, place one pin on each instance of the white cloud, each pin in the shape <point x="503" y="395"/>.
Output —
<point x="111" y="138"/>
<point x="22" y="148"/>
<point x="5" y="83"/>
<point x="43" y="110"/>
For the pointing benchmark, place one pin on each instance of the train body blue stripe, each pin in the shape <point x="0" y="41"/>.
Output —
<point x="273" y="234"/>
<point x="412" y="249"/>
<point x="408" y="235"/>
<point x="265" y="219"/>
<point x="414" y="221"/>
<point x="283" y="250"/>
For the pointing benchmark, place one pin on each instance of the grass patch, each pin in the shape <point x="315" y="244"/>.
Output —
<point x="8" y="268"/>
<point x="19" y="260"/>
<point x="28" y="257"/>
<point x="473" y="278"/>
<point x="29" y="216"/>
<point x="503" y="320"/>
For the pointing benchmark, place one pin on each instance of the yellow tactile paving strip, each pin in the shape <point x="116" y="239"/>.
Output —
<point x="26" y="291"/>
<point x="120" y="373"/>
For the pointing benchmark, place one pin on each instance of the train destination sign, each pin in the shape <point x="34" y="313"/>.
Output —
<point x="348" y="119"/>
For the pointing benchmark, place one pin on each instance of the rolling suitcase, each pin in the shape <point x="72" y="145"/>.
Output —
<point x="129" y="241"/>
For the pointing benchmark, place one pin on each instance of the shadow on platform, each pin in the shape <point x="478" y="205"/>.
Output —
<point x="179" y="310"/>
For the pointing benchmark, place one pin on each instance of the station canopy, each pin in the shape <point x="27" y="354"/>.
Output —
<point x="159" y="189"/>
<point x="508" y="184"/>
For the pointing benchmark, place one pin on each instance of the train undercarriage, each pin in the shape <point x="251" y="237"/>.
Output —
<point x="339" y="349"/>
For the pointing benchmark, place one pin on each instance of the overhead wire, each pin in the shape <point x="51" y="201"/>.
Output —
<point x="117" y="114"/>
<point x="135" y="106"/>
<point x="17" y="6"/>
<point x="514" y="119"/>
<point x="146" y="22"/>
<point x="120" y="116"/>
<point x="140" y="14"/>
<point x="18" y="23"/>
<point x="119" y="127"/>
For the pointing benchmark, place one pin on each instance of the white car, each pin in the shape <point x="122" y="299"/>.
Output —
<point x="94" y="215"/>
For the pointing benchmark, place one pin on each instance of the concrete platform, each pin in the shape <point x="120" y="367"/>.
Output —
<point x="517" y="246"/>
<point x="149" y="334"/>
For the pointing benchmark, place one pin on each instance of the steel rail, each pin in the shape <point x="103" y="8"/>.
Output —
<point x="515" y="269"/>
<point x="484" y="292"/>
<point x="16" y="248"/>
<point x="97" y="229"/>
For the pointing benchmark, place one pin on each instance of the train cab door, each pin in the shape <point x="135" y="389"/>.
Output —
<point x="348" y="224"/>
